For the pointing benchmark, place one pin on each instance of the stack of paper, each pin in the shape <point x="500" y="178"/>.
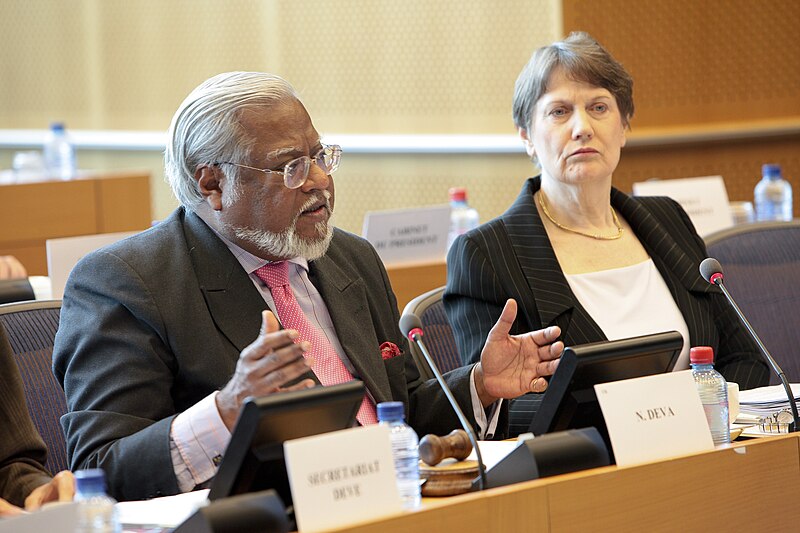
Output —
<point x="765" y="400"/>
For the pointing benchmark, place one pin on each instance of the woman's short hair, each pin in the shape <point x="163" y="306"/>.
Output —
<point x="206" y="128"/>
<point x="581" y="58"/>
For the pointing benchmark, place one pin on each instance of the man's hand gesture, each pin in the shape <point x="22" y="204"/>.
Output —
<point x="512" y="365"/>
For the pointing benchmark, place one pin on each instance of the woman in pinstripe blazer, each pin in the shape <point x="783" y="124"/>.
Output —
<point x="577" y="253"/>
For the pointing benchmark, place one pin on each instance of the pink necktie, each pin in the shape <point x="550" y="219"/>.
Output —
<point x="328" y="367"/>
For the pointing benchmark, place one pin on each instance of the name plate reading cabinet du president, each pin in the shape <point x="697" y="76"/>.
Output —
<point x="342" y="477"/>
<point x="409" y="236"/>
<point x="654" y="417"/>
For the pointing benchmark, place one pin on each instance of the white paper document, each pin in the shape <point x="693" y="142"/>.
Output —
<point x="53" y="518"/>
<point x="766" y="400"/>
<point x="493" y="451"/>
<point x="168" y="511"/>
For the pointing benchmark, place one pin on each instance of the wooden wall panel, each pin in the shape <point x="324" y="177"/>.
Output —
<point x="91" y="204"/>
<point x="696" y="62"/>
<point x="738" y="162"/>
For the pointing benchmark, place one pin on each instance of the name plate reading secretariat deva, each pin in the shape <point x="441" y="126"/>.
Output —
<point x="342" y="477"/>
<point x="654" y="417"/>
<point x="407" y="236"/>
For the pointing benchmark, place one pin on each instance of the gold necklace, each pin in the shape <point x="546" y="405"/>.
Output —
<point x="578" y="232"/>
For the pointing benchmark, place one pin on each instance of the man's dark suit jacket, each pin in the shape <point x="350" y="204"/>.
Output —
<point x="511" y="257"/>
<point x="154" y="323"/>
<point x="22" y="451"/>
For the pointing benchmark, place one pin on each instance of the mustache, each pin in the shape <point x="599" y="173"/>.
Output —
<point x="322" y="196"/>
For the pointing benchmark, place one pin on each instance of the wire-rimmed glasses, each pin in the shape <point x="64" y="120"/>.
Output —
<point x="295" y="172"/>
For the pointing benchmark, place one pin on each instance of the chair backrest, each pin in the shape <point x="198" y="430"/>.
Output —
<point x="761" y="263"/>
<point x="439" y="337"/>
<point x="31" y="328"/>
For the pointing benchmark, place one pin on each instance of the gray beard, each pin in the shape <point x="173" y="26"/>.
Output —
<point x="288" y="244"/>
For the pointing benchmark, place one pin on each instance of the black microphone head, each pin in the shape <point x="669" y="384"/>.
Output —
<point x="408" y="322"/>
<point x="709" y="267"/>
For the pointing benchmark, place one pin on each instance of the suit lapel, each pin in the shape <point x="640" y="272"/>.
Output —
<point x="233" y="302"/>
<point x="656" y="238"/>
<point x="678" y="269"/>
<point x="346" y="300"/>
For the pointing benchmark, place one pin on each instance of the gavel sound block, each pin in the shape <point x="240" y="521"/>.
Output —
<point x="444" y="470"/>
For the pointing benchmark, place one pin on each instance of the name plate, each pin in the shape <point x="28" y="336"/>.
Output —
<point x="342" y="477"/>
<point x="654" y="417"/>
<point x="704" y="199"/>
<point x="408" y="236"/>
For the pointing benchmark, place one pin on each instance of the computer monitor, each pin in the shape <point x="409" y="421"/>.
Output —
<point x="254" y="458"/>
<point x="570" y="401"/>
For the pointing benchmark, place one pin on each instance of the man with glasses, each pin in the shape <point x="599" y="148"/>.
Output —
<point x="163" y="335"/>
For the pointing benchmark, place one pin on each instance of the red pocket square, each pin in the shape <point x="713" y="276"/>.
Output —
<point x="389" y="350"/>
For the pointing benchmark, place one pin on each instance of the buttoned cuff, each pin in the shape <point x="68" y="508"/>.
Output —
<point x="198" y="438"/>
<point x="485" y="418"/>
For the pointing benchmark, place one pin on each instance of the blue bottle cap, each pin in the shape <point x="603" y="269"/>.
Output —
<point x="388" y="411"/>
<point x="91" y="480"/>
<point x="57" y="126"/>
<point x="771" y="170"/>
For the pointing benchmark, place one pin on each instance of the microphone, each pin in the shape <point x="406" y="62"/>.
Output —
<point x="711" y="271"/>
<point x="411" y="326"/>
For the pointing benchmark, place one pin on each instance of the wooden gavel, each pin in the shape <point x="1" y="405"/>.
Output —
<point x="434" y="449"/>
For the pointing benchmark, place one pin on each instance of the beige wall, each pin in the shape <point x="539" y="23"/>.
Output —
<point x="413" y="66"/>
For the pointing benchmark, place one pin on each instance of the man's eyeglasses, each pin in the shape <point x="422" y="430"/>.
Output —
<point x="295" y="172"/>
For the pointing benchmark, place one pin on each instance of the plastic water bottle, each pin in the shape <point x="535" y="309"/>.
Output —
<point x="96" y="511"/>
<point x="59" y="154"/>
<point x="405" y="450"/>
<point x="773" y="195"/>
<point x="713" y="393"/>
<point x="462" y="217"/>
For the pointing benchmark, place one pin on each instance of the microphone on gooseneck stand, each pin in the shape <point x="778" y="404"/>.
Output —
<point x="711" y="271"/>
<point x="411" y="327"/>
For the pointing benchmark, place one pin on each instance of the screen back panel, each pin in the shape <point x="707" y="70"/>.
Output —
<point x="254" y="458"/>
<point x="570" y="401"/>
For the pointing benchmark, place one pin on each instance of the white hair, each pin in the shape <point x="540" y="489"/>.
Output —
<point x="205" y="129"/>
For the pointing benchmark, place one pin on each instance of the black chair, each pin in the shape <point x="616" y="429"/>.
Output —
<point x="761" y="263"/>
<point x="438" y="334"/>
<point x="31" y="328"/>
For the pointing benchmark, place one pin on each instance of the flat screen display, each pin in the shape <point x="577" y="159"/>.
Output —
<point x="570" y="401"/>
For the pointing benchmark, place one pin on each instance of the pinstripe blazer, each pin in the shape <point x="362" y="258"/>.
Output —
<point x="511" y="257"/>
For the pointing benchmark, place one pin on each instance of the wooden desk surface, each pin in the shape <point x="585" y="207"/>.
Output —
<point x="410" y="281"/>
<point x="91" y="203"/>
<point x="750" y="485"/>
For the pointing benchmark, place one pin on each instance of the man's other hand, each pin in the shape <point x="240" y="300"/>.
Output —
<point x="60" y="489"/>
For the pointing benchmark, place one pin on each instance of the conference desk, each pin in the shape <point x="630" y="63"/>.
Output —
<point x="89" y="204"/>
<point x="752" y="485"/>
<point x="409" y="281"/>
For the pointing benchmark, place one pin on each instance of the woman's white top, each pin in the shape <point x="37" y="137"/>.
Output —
<point x="631" y="301"/>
